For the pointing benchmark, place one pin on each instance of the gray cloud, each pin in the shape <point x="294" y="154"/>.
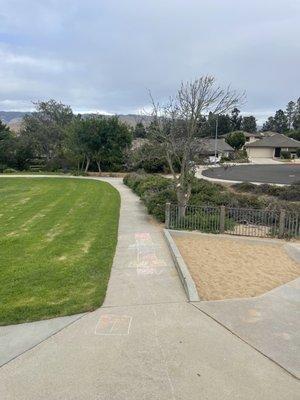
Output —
<point x="105" y="54"/>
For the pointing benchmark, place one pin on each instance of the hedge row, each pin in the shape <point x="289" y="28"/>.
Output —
<point x="156" y="191"/>
<point x="289" y="193"/>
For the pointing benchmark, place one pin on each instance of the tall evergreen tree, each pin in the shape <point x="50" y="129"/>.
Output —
<point x="249" y="124"/>
<point x="224" y="125"/>
<point x="235" y="119"/>
<point x="296" y="121"/>
<point x="207" y="125"/>
<point x="269" y="125"/>
<point x="278" y="123"/>
<point x="281" y="122"/>
<point x="290" y="113"/>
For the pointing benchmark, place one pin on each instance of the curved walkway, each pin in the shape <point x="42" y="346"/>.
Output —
<point x="146" y="341"/>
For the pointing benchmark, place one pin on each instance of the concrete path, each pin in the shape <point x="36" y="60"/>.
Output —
<point x="270" y="323"/>
<point x="17" y="339"/>
<point x="147" y="341"/>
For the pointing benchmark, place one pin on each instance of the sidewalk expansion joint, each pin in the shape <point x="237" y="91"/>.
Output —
<point x="145" y="304"/>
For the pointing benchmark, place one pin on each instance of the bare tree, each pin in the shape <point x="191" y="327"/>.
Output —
<point x="176" y="125"/>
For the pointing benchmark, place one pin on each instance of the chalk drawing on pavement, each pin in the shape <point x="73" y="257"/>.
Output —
<point x="111" y="324"/>
<point x="147" y="262"/>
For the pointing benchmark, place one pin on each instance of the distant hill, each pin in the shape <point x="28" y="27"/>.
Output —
<point x="8" y="116"/>
<point x="14" y="119"/>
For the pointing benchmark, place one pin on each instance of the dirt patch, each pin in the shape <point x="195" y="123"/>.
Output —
<point x="232" y="268"/>
<point x="86" y="246"/>
<point x="55" y="231"/>
<point x="24" y="201"/>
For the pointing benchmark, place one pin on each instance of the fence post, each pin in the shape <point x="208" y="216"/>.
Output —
<point x="281" y="223"/>
<point x="167" y="215"/>
<point x="222" y="219"/>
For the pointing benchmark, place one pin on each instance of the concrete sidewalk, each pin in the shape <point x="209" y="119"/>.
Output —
<point x="17" y="339"/>
<point x="269" y="323"/>
<point x="147" y="341"/>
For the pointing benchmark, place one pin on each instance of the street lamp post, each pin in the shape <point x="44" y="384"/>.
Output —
<point x="216" y="139"/>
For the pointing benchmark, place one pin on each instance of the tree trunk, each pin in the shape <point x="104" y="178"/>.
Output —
<point x="87" y="164"/>
<point x="99" y="166"/>
<point x="82" y="165"/>
<point x="182" y="198"/>
<point x="183" y="193"/>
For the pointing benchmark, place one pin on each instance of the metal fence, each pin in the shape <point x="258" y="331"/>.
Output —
<point x="234" y="221"/>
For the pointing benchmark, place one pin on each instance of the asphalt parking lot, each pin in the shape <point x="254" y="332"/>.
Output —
<point x="282" y="173"/>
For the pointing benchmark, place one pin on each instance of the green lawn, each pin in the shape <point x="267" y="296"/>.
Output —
<point x="57" y="242"/>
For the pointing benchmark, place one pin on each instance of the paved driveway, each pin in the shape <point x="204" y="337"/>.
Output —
<point x="264" y="161"/>
<point x="281" y="173"/>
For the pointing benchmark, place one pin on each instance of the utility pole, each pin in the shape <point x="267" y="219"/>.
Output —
<point x="216" y="139"/>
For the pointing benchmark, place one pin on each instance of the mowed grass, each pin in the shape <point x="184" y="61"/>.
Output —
<point x="57" y="242"/>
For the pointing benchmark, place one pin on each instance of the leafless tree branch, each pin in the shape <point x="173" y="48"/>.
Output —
<point x="176" y="123"/>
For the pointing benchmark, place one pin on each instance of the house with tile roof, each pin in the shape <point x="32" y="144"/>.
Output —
<point x="271" y="146"/>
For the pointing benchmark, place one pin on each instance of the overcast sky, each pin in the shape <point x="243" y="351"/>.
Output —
<point x="105" y="55"/>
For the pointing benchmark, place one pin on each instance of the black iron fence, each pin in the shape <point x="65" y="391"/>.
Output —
<point x="234" y="221"/>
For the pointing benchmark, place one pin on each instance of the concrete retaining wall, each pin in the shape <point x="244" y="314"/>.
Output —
<point x="183" y="272"/>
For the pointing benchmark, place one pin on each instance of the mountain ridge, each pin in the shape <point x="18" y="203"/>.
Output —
<point x="14" y="118"/>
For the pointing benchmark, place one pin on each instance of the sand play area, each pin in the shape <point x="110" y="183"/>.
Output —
<point x="229" y="267"/>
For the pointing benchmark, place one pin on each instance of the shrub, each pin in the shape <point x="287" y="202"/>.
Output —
<point x="278" y="205"/>
<point x="244" y="187"/>
<point x="218" y="198"/>
<point x="290" y="193"/>
<point x="225" y="159"/>
<point x="241" y="156"/>
<point x="247" y="201"/>
<point x="270" y="190"/>
<point x="2" y="167"/>
<point x="207" y="197"/>
<point x="201" y="185"/>
<point x="156" y="202"/>
<point x="134" y="179"/>
<point x="209" y="223"/>
<point x="156" y="191"/>
<point x="141" y="182"/>
<point x="286" y="155"/>
<point x="236" y="139"/>
<point x="79" y="173"/>
<point x="9" y="171"/>
<point x="154" y="183"/>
